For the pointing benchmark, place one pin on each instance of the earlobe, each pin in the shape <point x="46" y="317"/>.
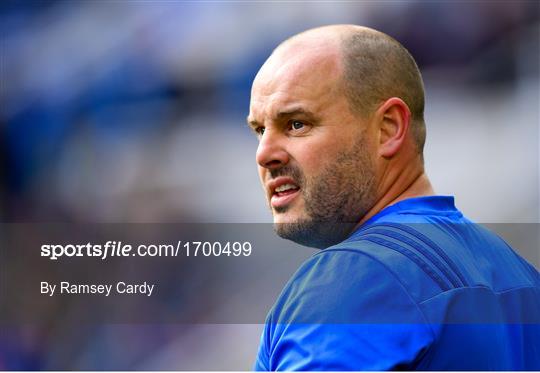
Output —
<point x="394" y="125"/>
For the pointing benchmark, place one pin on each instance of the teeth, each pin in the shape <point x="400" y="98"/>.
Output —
<point x="285" y="187"/>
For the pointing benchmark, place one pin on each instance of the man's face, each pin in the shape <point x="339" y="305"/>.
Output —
<point x="314" y="155"/>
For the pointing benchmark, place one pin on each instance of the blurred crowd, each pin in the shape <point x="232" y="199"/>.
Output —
<point x="128" y="111"/>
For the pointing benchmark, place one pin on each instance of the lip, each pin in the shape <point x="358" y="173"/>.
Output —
<point x="281" y="201"/>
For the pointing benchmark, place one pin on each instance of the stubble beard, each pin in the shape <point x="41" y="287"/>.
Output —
<point x="334" y="201"/>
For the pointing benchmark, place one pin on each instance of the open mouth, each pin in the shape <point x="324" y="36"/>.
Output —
<point x="284" y="194"/>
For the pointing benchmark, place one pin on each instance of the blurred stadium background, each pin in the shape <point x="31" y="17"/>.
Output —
<point x="134" y="111"/>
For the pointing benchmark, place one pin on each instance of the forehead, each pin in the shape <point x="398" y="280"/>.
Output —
<point x="308" y="75"/>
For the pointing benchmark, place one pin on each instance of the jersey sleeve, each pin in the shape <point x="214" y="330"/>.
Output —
<point x="261" y="362"/>
<point x="343" y="310"/>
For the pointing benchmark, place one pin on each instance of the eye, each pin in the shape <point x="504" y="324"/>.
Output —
<point x="296" y="124"/>
<point x="259" y="131"/>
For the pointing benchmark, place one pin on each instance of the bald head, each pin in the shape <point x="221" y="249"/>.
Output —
<point x="373" y="67"/>
<point x="338" y="114"/>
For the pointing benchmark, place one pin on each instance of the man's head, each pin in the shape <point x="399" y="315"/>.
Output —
<point x="336" y="109"/>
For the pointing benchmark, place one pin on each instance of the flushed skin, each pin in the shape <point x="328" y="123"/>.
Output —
<point x="303" y="77"/>
<point x="405" y="281"/>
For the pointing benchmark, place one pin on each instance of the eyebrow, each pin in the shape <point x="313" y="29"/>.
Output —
<point x="284" y="114"/>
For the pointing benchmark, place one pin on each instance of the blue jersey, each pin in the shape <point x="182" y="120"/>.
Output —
<point x="418" y="286"/>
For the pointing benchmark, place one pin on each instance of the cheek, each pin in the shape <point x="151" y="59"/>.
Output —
<point x="316" y="158"/>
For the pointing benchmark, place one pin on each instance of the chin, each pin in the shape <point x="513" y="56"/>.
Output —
<point x="286" y="217"/>
<point x="281" y="219"/>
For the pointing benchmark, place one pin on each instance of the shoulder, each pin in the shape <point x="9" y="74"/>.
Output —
<point x="344" y="310"/>
<point x="335" y="284"/>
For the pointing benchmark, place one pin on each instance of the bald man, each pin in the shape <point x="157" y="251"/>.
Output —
<point x="403" y="280"/>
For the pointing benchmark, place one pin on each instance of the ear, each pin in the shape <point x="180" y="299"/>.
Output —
<point x="394" y="120"/>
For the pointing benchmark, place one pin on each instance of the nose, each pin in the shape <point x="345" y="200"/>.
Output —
<point x="271" y="152"/>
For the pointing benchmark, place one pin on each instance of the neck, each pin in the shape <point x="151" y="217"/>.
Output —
<point x="413" y="184"/>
